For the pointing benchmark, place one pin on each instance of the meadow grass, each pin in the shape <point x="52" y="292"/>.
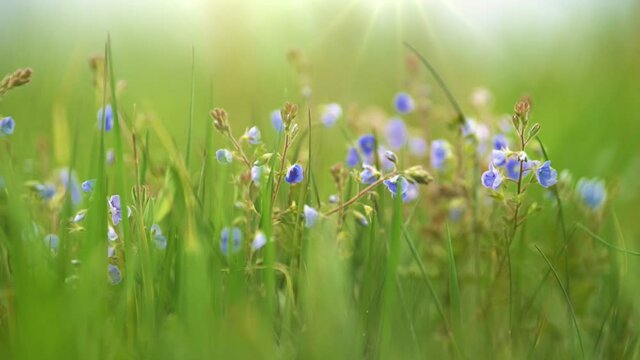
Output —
<point x="511" y="269"/>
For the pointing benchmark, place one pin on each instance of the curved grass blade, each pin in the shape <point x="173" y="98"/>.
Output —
<point x="601" y="240"/>
<point x="566" y="297"/>
<point x="440" y="82"/>
<point x="454" y="289"/>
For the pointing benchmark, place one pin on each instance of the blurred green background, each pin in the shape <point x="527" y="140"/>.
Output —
<point x="579" y="60"/>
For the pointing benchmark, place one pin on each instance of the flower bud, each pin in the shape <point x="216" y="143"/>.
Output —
<point x="419" y="175"/>
<point x="535" y="129"/>
<point x="389" y="155"/>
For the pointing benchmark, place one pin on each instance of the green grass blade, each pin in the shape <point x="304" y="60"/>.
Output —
<point x="566" y="297"/>
<point x="604" y="242"/>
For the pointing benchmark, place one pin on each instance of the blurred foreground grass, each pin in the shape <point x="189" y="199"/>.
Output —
<point x="580" y="68"/>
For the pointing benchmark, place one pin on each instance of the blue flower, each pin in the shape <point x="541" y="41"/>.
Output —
<point x="46" y="191"/>
<point x="310" y="216"/>
<point x="513" y="168"/>
<point x="111" y="251"/>
<point x="158" y="238"/>
<point x="112" y="235"/>
<point x="491" y="179"/>
<point x="500" y="142"/>
<point x="592" y="192"/>
<point x="7" y="126"/>
<point x="79" y="216"/>
<point x="252" y="135"/>
<point x="412" y="192"/>
<point x="440" y="152"/>
<point x="110" y="156"/>
<point x="417" y="146"/>
<point x="332" y="112"/>
<point x="73" y="186"/>
<point x="256" y="173"/>
<point x="392" y="186"/>
<point x="88" y="185"/>
<point x="546" y="175"/>
<point x="353" y="158"/>
<point x="115" y="209"/>
<point x="107" y="114"/>
<point x="469" y="128"/>
<point x="403" y="103"/>
<point x="498" y="157"/>
<point x="236" y="238"/>
<point x="52" y="242"/>
<point x="259" y="240"/>
<point x="396" y="134"/>
<point x="276" y="120"/>
<point x="224" y="156"/>
<point x="115" y="277"/>
<point x="295" y="174"/>
<point x="367" y="144"/>
<point x="369" y="174"/>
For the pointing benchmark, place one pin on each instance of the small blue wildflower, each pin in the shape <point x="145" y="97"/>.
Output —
<point x="158" y="238"/>
<point x="492" y="178"/>
<point x="69" y="181"/>
<point x="367" y="144"/>
<point x="498" y="157"/>
<point x="107" y="114"/>
<point x="412" y="192"/>
<point x="456" y="210"/>
<point x="440" y="152"/>
<point x="403" y="103"/>
<point x="332" y="112"/>
<point x="7" y="126"/>
<point x="369" y="174"/>
<point x="392" y="186"/>
<point x="253" y="135"/>
<point x="259" y="240"/>
<point x="295" y="174"/>
<point x="513" y="168"/>
<point x="79" y="216"/>
<point x="353" y="158"/>
<point x="276" y="120"/>
<point x="592" y="192"/>
<point x="111" y="251"/>
<point x="236" y="238"/>
<point x="256" y="173"/>
<point x="224" y="156"/>
<point x="417" y="146"/>
<point x="110" y="156"/>
<point x="396" y="134"/>
<point x="115" y="277"/>
<point x="310" y="216"/>
<point x="470" y="127"/>
<point x="500" y="142"/>
<point x="115" y="209"/>
<point x="46" y="191"/>
<point x="546" y="175"/>
<point x="88" y="185"/>
<point x="52" y="242"/>
<point x="112" y="235"/>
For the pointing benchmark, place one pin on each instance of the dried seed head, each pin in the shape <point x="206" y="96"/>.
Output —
<point x="289" y="112"/>
<point x="523" y="106"/>
<point x="219" y="117"/>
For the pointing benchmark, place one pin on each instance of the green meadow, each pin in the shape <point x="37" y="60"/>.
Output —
<point x="379" y="220"/>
